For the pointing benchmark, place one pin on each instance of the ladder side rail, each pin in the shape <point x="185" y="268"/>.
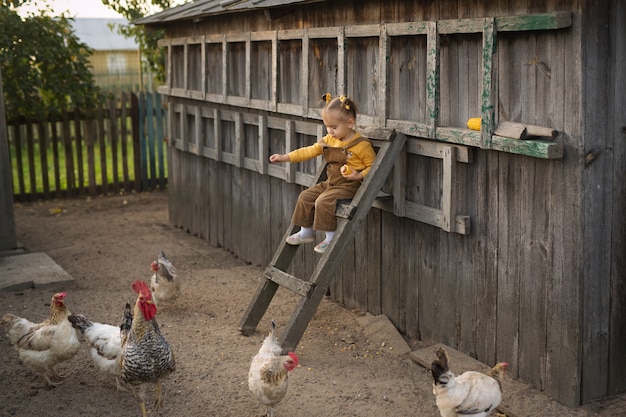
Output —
<point x="346" y="230"/>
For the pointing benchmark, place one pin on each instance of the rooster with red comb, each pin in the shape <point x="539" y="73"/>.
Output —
<point x="146" y="355"/>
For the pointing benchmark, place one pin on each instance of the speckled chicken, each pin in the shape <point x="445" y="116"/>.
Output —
<point x="268" y="376"/>
<point x="164" y="284"/>
<point x="469" y="394"/>
<point x="105" y="341"/>
<point x="146" y="355"/>
<point x="41" y="346"/>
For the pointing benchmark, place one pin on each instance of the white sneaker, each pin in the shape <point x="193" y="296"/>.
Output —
<point x="296" y="239"/>
<point x="322" y="246"/>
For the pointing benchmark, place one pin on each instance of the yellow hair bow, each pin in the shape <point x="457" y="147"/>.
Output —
<point x="327" y="97"/>
<point x="342" y="99"/>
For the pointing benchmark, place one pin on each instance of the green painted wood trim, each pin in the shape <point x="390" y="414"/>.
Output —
<point x="533" y="148"/>
<point x="488" y="95"/>
<point x="432" y="80"/>
<point x="546" y="21"/>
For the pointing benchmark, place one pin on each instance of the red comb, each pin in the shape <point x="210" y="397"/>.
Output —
<point x="141" y="288"/>
<point x="294" y="357"/>
<point x="62" y="294"/>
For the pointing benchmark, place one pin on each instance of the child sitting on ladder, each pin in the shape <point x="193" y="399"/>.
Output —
<point x="349" y="157"/>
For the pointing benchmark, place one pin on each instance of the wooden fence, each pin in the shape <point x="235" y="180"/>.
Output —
<point x="118" y="147"/>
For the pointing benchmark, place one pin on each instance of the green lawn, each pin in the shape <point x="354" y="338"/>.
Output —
<point x="62" y="160"/>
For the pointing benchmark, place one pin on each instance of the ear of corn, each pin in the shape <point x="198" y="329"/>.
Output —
<point x="473" y="123"/>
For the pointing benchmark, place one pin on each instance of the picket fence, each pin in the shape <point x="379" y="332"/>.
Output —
<point x="117" y="148"/>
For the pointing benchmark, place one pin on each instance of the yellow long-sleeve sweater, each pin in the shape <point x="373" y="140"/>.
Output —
<point x="361" y="156"/>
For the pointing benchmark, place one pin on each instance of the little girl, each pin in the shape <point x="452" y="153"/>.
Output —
<point x="349" y="157"/>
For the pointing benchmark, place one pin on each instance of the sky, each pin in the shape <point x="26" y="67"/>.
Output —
<point x="84" y="8"/>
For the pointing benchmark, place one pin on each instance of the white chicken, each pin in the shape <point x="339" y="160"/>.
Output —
<point x="41" y="346"/>
<point x="469" y="394"/>
<point x="105" y="341"/>
<point x="164" y="284"/>
<point x="268" y="376"/>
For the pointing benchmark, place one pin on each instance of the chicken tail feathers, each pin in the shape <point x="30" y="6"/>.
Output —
<point x="127" y="321"/>
<point x="440" y="366"/>
<point x="79" y="322"/>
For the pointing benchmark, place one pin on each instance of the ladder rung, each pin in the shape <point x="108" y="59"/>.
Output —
<point x="288" y="281"/>
<point x="346" y="210"/>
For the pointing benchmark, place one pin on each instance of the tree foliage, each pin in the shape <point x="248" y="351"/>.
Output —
<point x="146" y="38"/>
<point x="44" y="65"/>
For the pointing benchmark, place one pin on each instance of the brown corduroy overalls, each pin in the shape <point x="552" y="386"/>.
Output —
<point x="316" y="205"/>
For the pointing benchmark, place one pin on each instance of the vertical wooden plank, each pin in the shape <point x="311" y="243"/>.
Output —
<point x="186" y="81"/>
<point x="393" y="282"/>
<point x="248" y="67"/>
<point x="197" y="127"/>
<point x="224" y="68"/>
<point x="149" y="112"/>
<point x="534" y="242"/>
<point x="124" y="139"/>
<point x="203" y="66"/>
<point x="8" y="235"/>
<point x="69" y="156"/>
<point x="383" y="79"/>
<point x="341" y="62"/>
<point x="79" y="141"/>
<point x="238" y="146"/>
<point x="43" y="157"/>
<point x="103" y="154"/>
<point x="55" y="157"/>
<point x="448" y="203"/>
<point x="617" y="326"/>
<point x="597" y="200"/>
<point x="274" y="98"/>
<point x="412" y="280"/>
<point x="169" y="65"/>
<point x="30" y="152"/>
<point x="290" y="145"/>
<point x="432" y="79"/>
<point x="399" y="184"/>
<point x="508" y="267"/>
<point x="143" y="112"/>
<point x="217" y="125"/>
<point x="264" y="145"/>
<point x="17" y="139"/>
<point x="90" y="139"/>
<point x="304" y="74"/>
<point x="113" y="130"/>
<point x="158" y="121"/>
<point x="489" y="81"/>
<point x="136" y="139"/>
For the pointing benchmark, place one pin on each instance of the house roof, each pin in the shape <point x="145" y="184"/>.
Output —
<point x="202" y="8"/>
<point x="96" y="33"/>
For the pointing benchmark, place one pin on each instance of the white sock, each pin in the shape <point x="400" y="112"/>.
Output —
<point x="329" y="236"/>
<point x="305" y="231"/>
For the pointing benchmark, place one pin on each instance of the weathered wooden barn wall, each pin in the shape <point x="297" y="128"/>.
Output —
<point x="539" y="279"/>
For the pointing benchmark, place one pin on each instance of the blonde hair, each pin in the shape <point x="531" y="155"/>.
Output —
<point x="343" y="104"/>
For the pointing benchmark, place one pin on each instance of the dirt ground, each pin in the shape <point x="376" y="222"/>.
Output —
<point x="106" y="243"/>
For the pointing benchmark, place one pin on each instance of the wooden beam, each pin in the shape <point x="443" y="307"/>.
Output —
<point x="432" y="79"/>
<point x="488" y="95"/>
<point x="533" y="148"/>
<point x="545" y="21"/>
<point x="448" y="203"/>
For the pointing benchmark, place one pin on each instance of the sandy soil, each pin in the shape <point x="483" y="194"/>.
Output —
<point x="106" y="243"/>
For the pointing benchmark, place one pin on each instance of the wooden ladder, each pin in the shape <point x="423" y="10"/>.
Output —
<point x="349" y="218"/>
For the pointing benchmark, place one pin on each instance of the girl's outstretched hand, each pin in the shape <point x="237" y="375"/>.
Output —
<point x="279" y="158"/>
